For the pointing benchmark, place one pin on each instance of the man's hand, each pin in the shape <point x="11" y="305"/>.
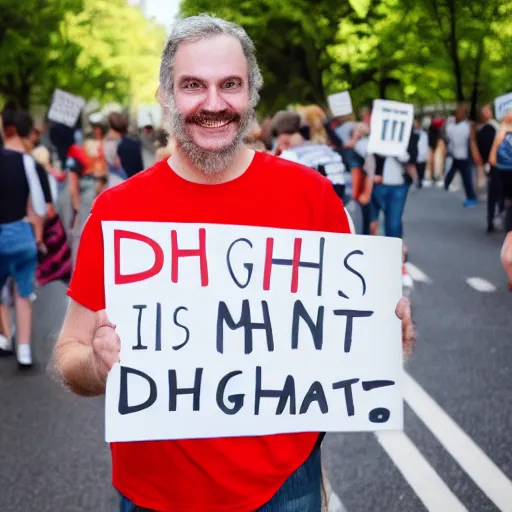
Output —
<point x="106" y="345"/>
<point x="403" y="312"/>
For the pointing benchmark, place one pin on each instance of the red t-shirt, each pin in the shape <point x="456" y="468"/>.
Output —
<point x="214" y="475"/>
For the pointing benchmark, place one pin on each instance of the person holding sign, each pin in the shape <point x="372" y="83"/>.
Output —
<point x="209" y="82"/>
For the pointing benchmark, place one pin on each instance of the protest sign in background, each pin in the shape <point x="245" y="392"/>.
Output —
<point x="149" y="115"/>
<point x="236" y="330"/>
<point x="65" y="108"/>
<point x="503" y="104"/>
<point x="391" y="128"/>
<point x="340" y="104"/>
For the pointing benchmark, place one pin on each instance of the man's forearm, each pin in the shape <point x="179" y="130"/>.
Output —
<point x="76" y="366"/>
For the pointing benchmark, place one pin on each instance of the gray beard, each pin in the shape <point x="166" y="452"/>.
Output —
<point x="209" y="161"/>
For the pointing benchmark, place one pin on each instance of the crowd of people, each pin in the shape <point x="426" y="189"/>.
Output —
<point x="62" y="171"/>
<point x="50" y="175"/>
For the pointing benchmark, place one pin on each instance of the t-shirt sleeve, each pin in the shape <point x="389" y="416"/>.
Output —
<point x="361" y="147"/>
<point x="45" y="184"/>
<point x="87" y="283"/>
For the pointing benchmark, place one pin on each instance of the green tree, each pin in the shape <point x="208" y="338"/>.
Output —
<point x="120" y="54"/>
<point x="27" y="39"/>
<point x="472" y="34"/>
<point x="94" y="48"/>
<point x="380" y="53"/>
<point x="292" y="38"/>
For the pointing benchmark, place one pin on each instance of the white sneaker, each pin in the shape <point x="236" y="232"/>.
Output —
<point x="5" y="344"/>
<point x="335" y="504"/>
<point x="24" y="354"/>
<point x="407" y="282"/>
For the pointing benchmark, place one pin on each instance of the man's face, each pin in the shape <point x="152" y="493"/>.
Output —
<point x="486" y="114"/>
<point x="97" y="132"/>
<point x="210" y="112"/>
<point x="460" y="113"/>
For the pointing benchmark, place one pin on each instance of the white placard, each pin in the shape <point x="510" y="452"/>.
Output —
<point x="340" y="104"/>
<point x="149" y="115"/>
<point x="391" y="128"/>
<point x="503" y="105"/>
<point x="222" y="314"/>
<point x="65" y="108"/>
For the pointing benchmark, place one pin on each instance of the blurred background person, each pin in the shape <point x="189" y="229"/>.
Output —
<point x="484" y="140"/>
<point x="458" y="135"/>
<point x="501" y="158"/>
<point x="25" y="200"/>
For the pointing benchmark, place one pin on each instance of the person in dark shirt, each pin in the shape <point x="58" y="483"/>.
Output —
<point x="485" y="136"/>
<point x="129" y="149"/>
<point x="21" y="228"/>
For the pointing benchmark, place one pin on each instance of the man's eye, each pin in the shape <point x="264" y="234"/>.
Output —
<point x="231" y="84"/>
<point x="192" y="85"/>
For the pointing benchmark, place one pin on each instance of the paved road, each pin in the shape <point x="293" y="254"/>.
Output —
<point x="52" y="457"/>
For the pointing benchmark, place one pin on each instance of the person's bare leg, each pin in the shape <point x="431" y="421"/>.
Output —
<point x="5" y="321"/>
<point x="23" y="319"/>
<point x="23" y="329"/>
<point x="506" y="257"/>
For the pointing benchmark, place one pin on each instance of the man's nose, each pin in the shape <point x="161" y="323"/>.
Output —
<point x="214" y="101"/>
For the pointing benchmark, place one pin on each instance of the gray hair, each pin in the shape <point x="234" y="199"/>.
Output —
<point x="204" y="26"/>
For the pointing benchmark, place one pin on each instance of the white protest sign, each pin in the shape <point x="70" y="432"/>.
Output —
<point x="503" y="104"/>
<point x="391" y="128"/>
<point x="149" y="115"/>
<point x="65" y="108"/>
<point x="340" y="104"/>
<point x="245" y="331"/>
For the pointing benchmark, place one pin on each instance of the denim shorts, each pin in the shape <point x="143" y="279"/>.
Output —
<point x="18" y="256"/>
<point x="301" y="492"/>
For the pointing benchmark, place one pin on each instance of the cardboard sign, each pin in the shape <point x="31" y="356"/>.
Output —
<point x="65" y="108"/>
<point x="246" y="331"/>
<point x="149" y="115"/>
<point x="503" y="105"/>
<point x="391" y="128"/>
<point x="340" y="104"/>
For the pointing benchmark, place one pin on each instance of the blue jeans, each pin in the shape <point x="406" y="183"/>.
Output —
<point x="391" y="199"/>
<point x="18" y="256"/>
<point x="301" y="492"/>
<point x="464" y="167"/>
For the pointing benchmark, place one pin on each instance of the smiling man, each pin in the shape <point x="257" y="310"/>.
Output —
<point x="209" y="84"/>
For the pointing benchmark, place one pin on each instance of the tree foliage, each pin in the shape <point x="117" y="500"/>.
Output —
<point x="420" y="51"/>
<point x="292" y="38"/>
<point x="102" y="49"/>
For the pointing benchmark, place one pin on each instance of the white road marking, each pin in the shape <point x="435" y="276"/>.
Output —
<point x="417" y="274"/>
<point x="480" y="285"/>
<point x="480" y="468"/>
<point x="421" y="476"/>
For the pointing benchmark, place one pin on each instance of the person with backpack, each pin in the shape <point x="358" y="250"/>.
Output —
<point x="501" y="158"/>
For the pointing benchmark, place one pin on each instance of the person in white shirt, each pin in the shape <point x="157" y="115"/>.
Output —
<point x="391" y="186"/>
<point x="458" y="135"/>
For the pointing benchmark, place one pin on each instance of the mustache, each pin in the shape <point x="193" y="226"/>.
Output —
<point x="205" y="116"/>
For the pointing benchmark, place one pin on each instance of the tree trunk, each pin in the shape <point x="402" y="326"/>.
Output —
<point x="476" y="80"/>
<point x="24" y="96"/>
<point x="454" y="52"/>
<point x="12" y="90"/>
